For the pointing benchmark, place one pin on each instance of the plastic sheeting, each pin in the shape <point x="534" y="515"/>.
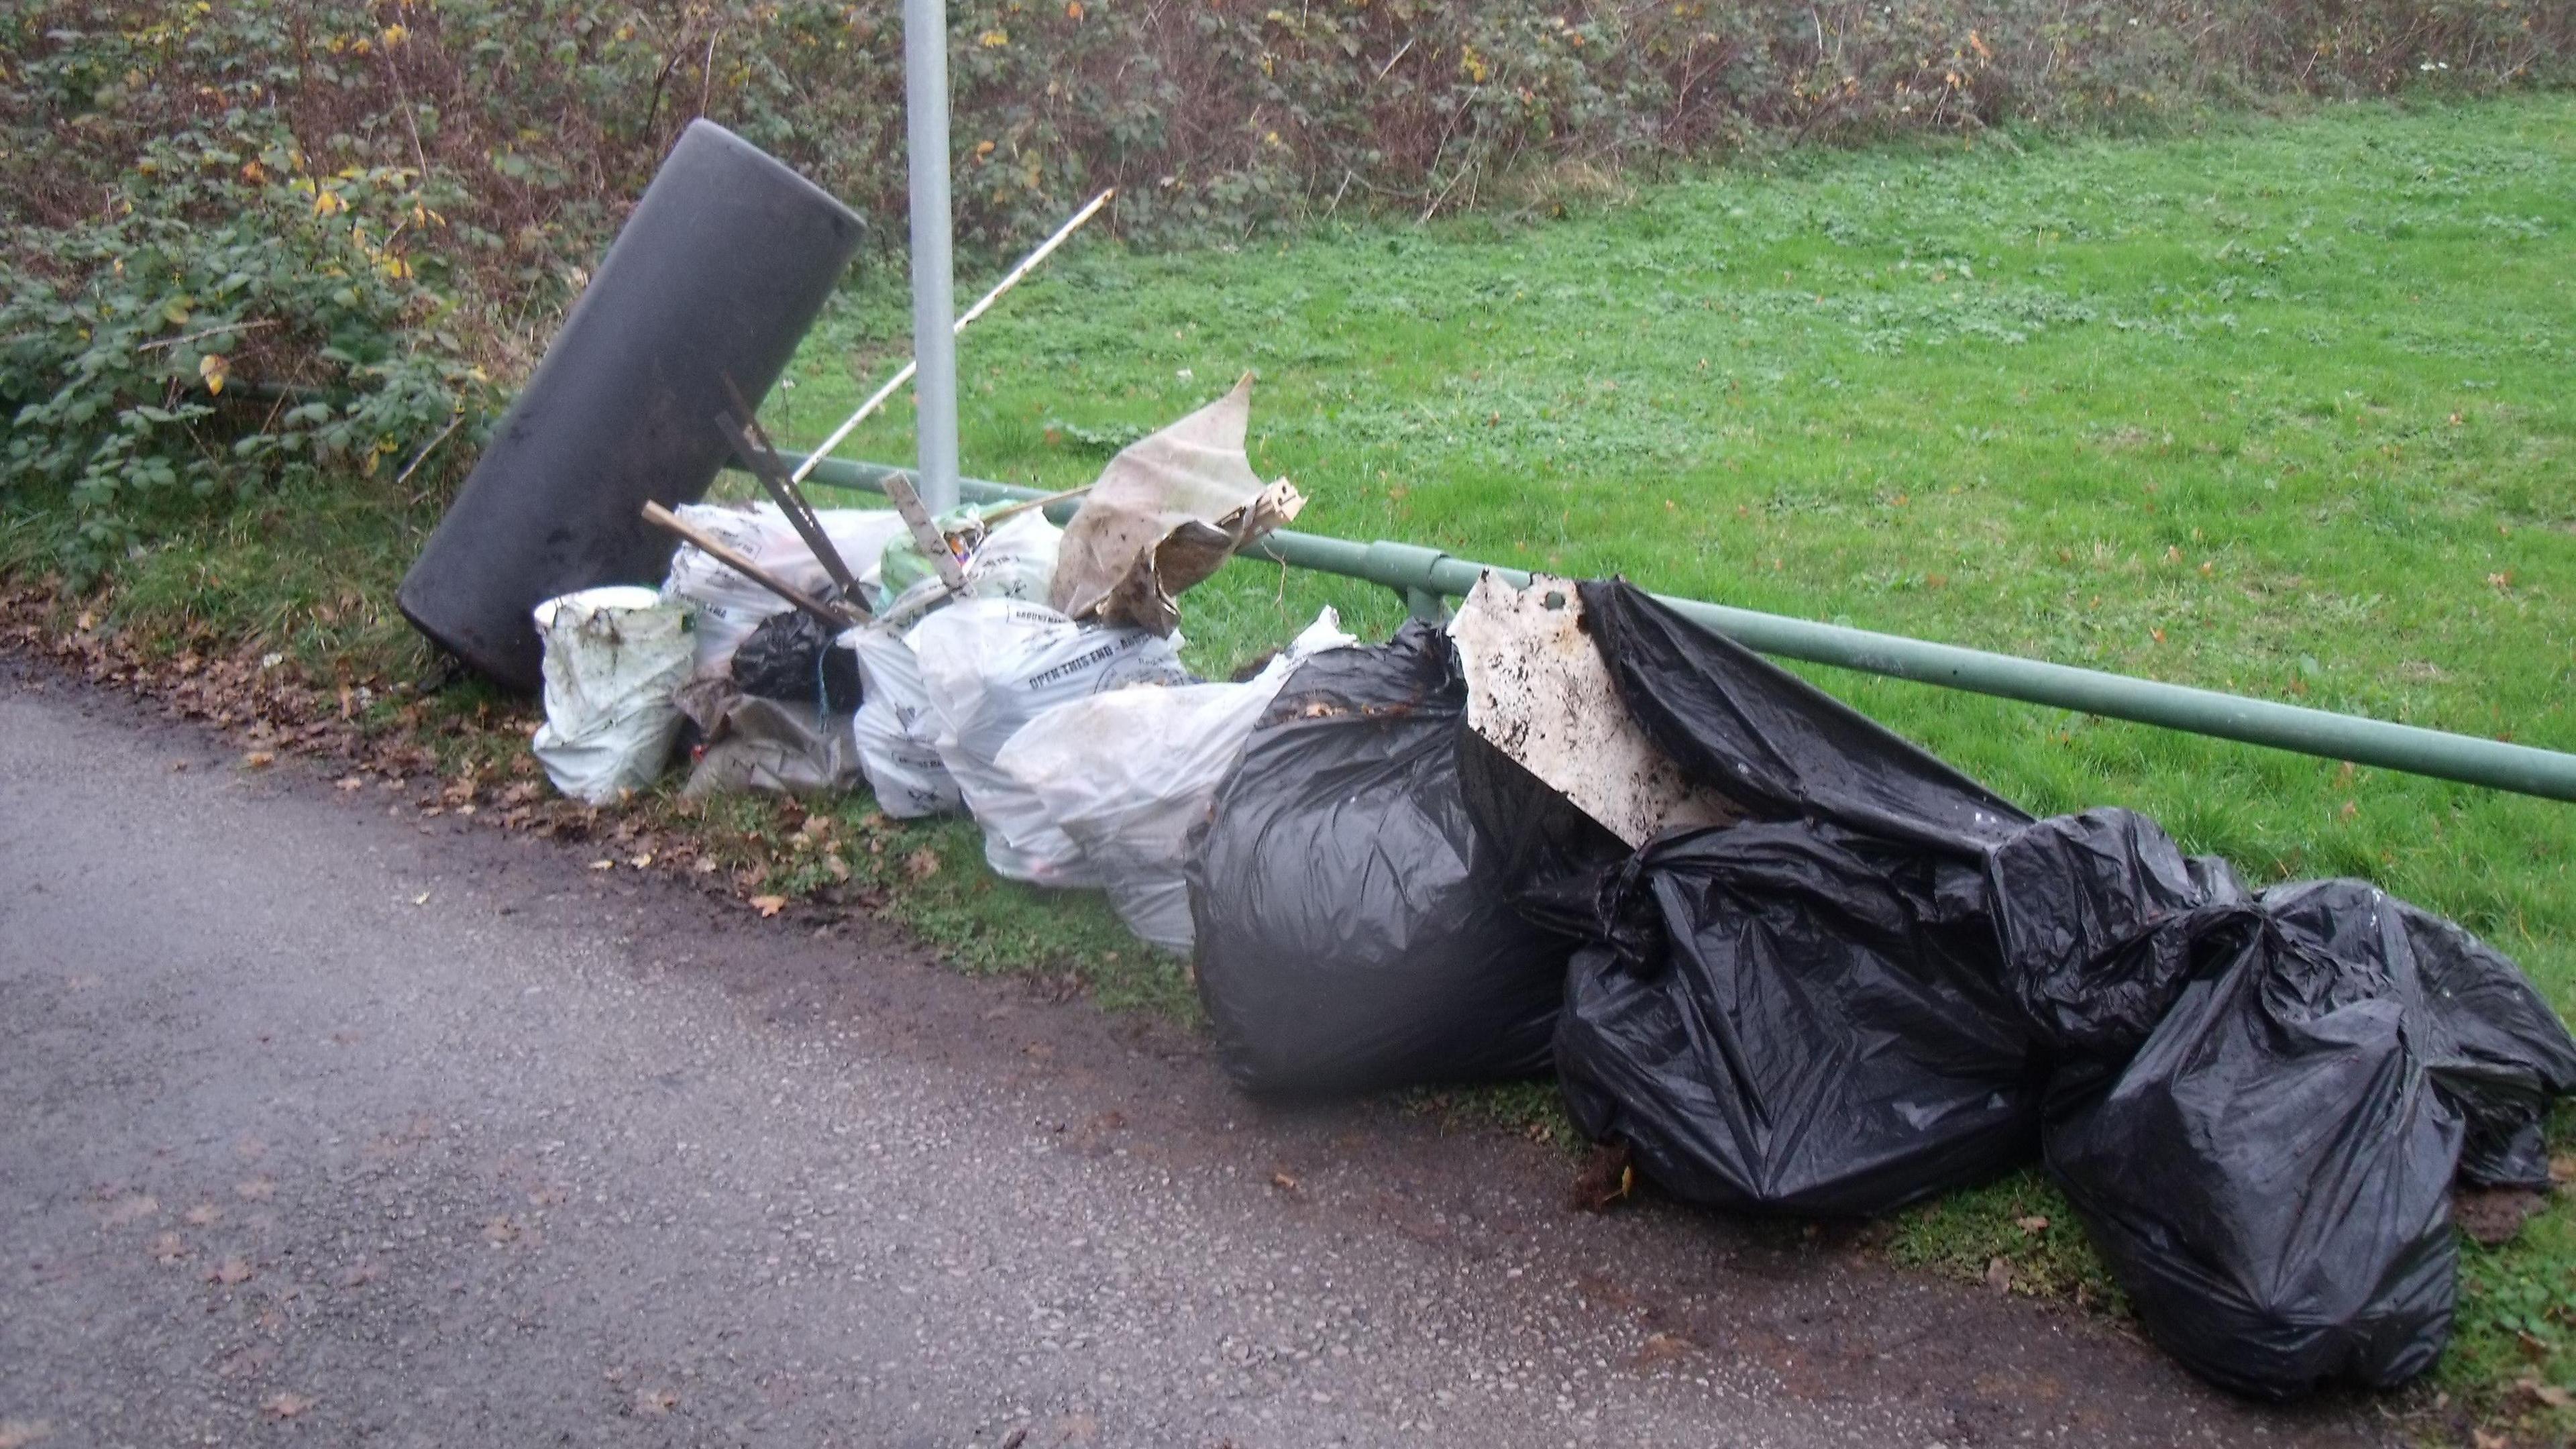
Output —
<point x="1354" y="927"/>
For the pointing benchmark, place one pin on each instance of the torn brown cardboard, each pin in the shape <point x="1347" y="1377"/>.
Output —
<point x="1167" y="512"/>
<point x="1538" y="691"/>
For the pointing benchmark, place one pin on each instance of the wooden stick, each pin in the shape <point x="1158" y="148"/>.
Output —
<point x="662" y="518"/>
<point x="925" y="532"/>
<point x="1012" y="279"/>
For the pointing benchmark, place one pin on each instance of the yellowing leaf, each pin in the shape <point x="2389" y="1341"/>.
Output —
<point x="214" y="368"/>
<point x="768" y="905"/>
<point x="994" y="39"/>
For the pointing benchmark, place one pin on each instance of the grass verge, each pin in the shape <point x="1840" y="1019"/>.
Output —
<point x="2279" y="409"/>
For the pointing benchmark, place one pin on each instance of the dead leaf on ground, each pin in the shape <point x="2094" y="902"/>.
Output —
<point x="603" y="865"/>
<point x="1660" y="1348"/>
<point x="654" y="1403"/>
<point x="204" y="1214"/>
<point x="259" y="759"/>
<point x="134" y="1207"/>
<point x="768" y="905"/>
<point x="283" y="1405"/>
<point x="1284" y="1181"/>
<point x="233" y="1270"/>
<point x="2481" y="1439"/>
<point x="1609" y="1175"/>
<point x="1999" y="1275"/>
<point x="2562" y="1168"/>
<point x="2555" y="1396"/>
<point x="922" y="864"/>
<point x="351" y="782"/>
<point x="500" y="1229"/>
<point x="19" y="1433"/>
<point x="256" y="1189"/>
<point x="361" y="1273"/>
<point x="2034" y="1224"/>
<point x="168" y="1248"/>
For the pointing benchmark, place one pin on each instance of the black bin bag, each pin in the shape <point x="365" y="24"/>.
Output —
<point x="2268" y="1170"/>
<point x="1804" y="1012"/>
<point x="1353" y="930"/>
<point x="1796" y="1018"/>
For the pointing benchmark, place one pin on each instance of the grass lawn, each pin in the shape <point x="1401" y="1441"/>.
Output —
<point x="2282" y="408"/>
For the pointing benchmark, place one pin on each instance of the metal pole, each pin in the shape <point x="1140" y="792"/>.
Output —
<point x="1414" y="571"/>
<point x="934" y="305"/>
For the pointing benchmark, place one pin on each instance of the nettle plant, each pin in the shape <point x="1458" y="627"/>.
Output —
<point x="229" y="320"/>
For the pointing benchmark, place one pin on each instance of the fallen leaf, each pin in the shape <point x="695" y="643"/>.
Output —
<point x="922" y="864"/>
<point x="707" y="865"/>
<point x="259" y="759"/>
<point x="2032" y="1224"/>
<point x="351" y="782"/>
<point x="2555" y="1396"/>
<point x="132" y="1208"/>
<point x="768" y="905"/>
<point x="2562" y="1168"/>
<point x="1285" y="1182"/>
<point x="19" y="1433"/>
<point x="500" y="1229"/>
<point x="421" y="900"/>
<point x="232" y="1270"/>
<point x="839" y="868"/>
<point x="1662" y="1348"/>
<point x="257" y="1189"/>
<point x="654" y="1403"/>
<point x="360" y="1273"/>
<point x="603" y="865"/>
<point x="284" y="1405"/>
<point x="1999" y="1275"/>
<point x="203" y="1214"/>
<point x="2484" y="1440"/>
<point x="641" y="861"/>
<point x="168" y="1248"/>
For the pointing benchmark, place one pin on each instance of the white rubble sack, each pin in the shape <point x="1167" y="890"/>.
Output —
<point x="1538" y="691"/>
<point x="614" y="663"/>
<point x="990" y="666"/>
<point x="730" y="606"/>
<point x="895" y="731"/>
<point x="1127" y="774"/>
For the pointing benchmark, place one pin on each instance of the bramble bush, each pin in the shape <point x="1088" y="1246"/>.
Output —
<point x="250" y="237"/>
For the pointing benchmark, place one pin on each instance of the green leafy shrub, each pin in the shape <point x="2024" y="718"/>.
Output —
<point x="256" y="236"/>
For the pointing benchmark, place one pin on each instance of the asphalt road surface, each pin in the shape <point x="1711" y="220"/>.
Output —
<point x="322" y="1123"/>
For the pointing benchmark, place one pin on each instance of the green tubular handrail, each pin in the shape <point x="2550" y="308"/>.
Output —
<point x="1423" y="576"/>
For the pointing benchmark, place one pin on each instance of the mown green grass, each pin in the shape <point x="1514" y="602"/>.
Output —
<point x="2281" y="409"/>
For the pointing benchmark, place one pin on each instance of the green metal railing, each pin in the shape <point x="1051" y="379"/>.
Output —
<point x="1425" y="576"/>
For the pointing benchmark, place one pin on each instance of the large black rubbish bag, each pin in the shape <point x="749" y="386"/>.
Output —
<point x="2269" y="1174"/>
<point x="1794" y="1017"/>
<point x="1777" y="745"/>
<point x="2088" y="922"/>
<point x="1353" y="931"/>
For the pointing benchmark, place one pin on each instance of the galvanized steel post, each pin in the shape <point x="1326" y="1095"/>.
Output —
<point x="934" y="303"/>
